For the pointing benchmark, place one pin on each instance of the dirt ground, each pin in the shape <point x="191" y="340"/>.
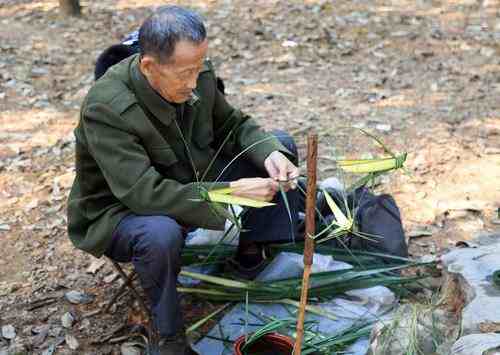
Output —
<point x="424" y="76"/>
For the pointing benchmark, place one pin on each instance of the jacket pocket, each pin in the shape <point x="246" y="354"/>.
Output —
<point x="163" y="156"/>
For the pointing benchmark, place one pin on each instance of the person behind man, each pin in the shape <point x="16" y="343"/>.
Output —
<point x="148" y="129"/>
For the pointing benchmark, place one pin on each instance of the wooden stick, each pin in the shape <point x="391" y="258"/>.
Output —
<point x="312" y="158"/>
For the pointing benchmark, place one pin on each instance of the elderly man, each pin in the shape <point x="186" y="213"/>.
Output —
<point x="148" y="130"/>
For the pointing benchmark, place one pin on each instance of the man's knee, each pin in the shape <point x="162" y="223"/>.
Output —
<point x="161" y="236"/>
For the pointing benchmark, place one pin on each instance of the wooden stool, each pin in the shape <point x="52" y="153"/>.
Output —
<point x="128" y="285"/>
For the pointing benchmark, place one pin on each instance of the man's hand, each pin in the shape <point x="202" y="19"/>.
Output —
<point x="262" y="189"/>
<point x="282" y="170"/>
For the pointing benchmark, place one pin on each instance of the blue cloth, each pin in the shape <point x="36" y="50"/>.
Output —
<point x="154" y="243"/>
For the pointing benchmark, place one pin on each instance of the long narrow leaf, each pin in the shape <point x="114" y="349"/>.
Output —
<point x="288" y="210"/>
<point x="202" y="321"/>
<point x="341" y="219"/>
<point x="216" y="196"/>
<point x="364" y="166"/>
<point x="241" y="153"/>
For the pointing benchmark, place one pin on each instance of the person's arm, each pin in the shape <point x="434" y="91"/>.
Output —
<point x="134" y="181"/>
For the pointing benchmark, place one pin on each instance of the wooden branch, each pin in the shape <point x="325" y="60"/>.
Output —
<point x="312" y="158"/>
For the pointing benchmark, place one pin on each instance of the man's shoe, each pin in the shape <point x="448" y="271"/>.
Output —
<point x="232" y="266"/>
<point x="172" y="346"/>
<point x="249" y="261"/>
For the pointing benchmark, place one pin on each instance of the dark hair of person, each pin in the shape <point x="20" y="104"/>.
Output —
<point x="161" y="31"/>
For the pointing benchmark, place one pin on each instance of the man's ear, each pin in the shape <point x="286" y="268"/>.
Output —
<point x="146" y="65"/>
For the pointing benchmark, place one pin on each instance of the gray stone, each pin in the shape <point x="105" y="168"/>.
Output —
<point x="55" y="331"/>
<point x="412" y="329"/>
<point x="382" y="127"/>
<point x="487" y="52"/>
<point x="72" y="342"/>
<point x="477" y="344"/>
<point x="77" y="297"/>
<point x="38" y="72"/>
<point x="130" y="349"/>
<point x="50" y="350"/>
<point x="95" y="266"/>
<point x="12" y="83"/>
<point x="17" y="348"/>
<point x="67" y="320"/>
<point x="8" y="332"/>
<point x="472" y="269"/>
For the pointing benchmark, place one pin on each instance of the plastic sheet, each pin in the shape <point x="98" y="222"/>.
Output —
<point x="356" y="307"/>
<point x="202" y="236"/>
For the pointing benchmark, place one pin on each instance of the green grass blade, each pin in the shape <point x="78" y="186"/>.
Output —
<point x="288" y="210"/>
<point x="240" y="154"/>
<point x="219" y="150"/>
<point x="202" y="321"/>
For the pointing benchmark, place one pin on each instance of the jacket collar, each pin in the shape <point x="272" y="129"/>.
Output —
<point x="158" y="106"/>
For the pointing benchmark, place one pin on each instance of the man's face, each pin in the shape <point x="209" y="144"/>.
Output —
<point x="176" y="79"/>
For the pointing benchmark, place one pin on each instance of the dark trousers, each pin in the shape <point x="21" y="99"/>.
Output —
<point x="154" y="243"/>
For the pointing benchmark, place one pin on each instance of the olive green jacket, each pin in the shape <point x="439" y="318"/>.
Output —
<point x="132" y="158"/>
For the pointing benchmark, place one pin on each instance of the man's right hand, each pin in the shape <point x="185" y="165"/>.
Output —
<point x="262" y="189"/>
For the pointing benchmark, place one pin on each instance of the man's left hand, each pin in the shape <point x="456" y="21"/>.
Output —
<point x="281" y="169"/>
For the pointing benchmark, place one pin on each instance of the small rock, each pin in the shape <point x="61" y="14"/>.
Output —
<point x="487" y="52"/>
<point x="383" y="127"/>
<point x="8" y="332"/>
<point x="289" y="44"/>
<point x="84" y="324"/>
<point x="50" y="350"/>
<point x="41" y="104"/>
<point x="95" y="266"/>
<point x="44" y="328"/>
<point x="427" y="258"/>
<point x="110" y="278"/>
<point x="400" y="34"/>
<point x="65" y="181"/>
<point x="72" y="342"/>
<point x="33" y="204"/>
<point x="55" y="331"/>
<point x="419" y="232"/>
<point x="472" y="269"/>
<point x="37" y="72"/>
<point x="17" y="349"/>
<point x="77" y="297"/>
<point x="4" y="227"/>
<point x="67" y="320"/>
<point x="130" y="349"/>
<point x="12" y="83"/>
<point x="39" y="338"/>
<point x="476" y="344"/>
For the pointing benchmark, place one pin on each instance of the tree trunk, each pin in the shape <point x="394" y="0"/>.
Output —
<point x="70" y="7"/>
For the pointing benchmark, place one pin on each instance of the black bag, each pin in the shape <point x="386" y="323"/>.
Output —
<point x="379" y="216"/>
<point x="375" y="215"/>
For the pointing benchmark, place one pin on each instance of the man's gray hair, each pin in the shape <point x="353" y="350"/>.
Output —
<point x="161" y="31"/>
